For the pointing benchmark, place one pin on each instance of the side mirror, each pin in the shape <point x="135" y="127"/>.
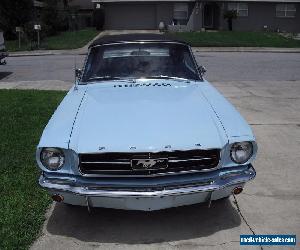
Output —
<point x="78" y="73"/>
<point x="202" y="70"/>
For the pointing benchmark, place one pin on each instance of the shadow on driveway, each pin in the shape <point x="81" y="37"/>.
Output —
<point x="4" y="74"/>
<point x="136" y="227"/>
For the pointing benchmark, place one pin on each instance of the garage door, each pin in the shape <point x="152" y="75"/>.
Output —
<point x="130" y="16"/>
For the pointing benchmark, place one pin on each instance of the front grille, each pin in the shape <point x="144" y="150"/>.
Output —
<point x="119" y="164"/>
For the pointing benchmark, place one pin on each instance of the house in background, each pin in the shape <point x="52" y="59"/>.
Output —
<point x="191" y="15"/>
<point x="83" y="12"/>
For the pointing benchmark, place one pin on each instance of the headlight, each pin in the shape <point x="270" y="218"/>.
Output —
<point x="52" y="158"/>
<point x="241" y="152"/>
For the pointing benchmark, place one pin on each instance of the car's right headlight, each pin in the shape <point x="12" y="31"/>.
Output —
<point x="52" y="158"/>
<point x="241" y="152"/>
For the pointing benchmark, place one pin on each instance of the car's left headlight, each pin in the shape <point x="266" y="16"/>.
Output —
<point x="241" y="152"/>
<point x="52" y="158"/>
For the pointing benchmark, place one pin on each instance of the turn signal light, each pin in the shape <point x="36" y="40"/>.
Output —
<point x="57" y="197"/>
<point x="237" y="190"/>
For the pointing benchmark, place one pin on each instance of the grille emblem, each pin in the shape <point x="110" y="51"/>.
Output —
<point x="149" y="164"/>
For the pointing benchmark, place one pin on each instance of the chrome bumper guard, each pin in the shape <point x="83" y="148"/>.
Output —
<point x="221" y="179"/>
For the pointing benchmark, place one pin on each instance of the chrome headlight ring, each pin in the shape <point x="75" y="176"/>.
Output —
<point x="241" y="152"/>
<point x="52" y="158"/>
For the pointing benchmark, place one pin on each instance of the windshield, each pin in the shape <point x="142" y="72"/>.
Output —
<point x="140" y="60"/>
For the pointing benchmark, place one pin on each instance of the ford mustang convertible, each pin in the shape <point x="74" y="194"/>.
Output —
<point x="141" y="129"/>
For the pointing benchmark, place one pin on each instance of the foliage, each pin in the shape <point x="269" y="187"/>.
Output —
<point x="99" y="18"/>
<point x="237" y="39"/>
<point x="64" y="40"/>
<point x="23" y="203"/>
<point x="55" y="19"/>
<point x="30" y="34"/>
<point x="66" y="3"/>
<point x="71" y="39"/>
<point x="21" y="13"/>
<point x="13" y="14"/>
<point x="230" y="15"/>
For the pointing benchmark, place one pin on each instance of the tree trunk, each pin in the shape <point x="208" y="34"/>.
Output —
<point x="229" y="20"/>
<point x="99" y="19"/>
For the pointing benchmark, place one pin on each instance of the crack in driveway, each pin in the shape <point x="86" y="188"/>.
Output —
<point x="243" y="217"/>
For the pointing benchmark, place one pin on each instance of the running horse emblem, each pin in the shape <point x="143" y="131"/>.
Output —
<point x="150" y="163"/>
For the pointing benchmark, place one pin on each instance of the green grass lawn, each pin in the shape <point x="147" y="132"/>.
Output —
<point x="23" y="115"/>
<point x="237" y="39"/>
<point x="13" y="45"/>
<point x="64" y="40"/>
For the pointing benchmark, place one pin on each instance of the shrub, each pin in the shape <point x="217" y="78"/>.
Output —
<point x="230" y="15"/>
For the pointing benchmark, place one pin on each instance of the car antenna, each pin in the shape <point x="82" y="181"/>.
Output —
<point x="75" y="66"/>
<point x="75" y="73"/>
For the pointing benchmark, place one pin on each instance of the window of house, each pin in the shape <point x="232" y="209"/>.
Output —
<point x="180" y="11"/>
<point x="241" y="8"/>
<point x="285" y="10"/>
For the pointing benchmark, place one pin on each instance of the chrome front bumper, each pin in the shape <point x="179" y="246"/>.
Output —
<point x="152" y="195"/>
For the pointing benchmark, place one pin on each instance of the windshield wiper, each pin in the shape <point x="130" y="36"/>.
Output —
<point x="168" y="77"/>
<point x="106" y="78"/>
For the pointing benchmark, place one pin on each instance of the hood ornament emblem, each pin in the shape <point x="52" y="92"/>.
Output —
<point x="149" y="164"/>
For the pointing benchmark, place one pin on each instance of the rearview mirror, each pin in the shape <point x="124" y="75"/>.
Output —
<point x="202" y="70"/>
<point x="78" y="73"/>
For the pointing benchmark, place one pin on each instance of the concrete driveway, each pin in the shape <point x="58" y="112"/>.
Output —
<point x="265" y="88"/>
<point x="269" y="205"/>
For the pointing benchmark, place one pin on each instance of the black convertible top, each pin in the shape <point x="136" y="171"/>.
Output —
<point x="146" y="37"/>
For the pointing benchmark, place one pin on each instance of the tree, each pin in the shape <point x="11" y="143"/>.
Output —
<point x="51" y="17"/>
<point x="98" y="16"/>
<point x="66" y="4"/>
<point x="57" y="15"/>
<point x="13" y="14"/>
<point x="230" y="15"/>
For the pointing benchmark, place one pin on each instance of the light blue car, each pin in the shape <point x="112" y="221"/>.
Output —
<point x="142" y="130"/>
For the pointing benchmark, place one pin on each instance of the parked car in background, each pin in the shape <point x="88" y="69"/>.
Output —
<point x="142" y="129"/>
<point x="3" y="52"/>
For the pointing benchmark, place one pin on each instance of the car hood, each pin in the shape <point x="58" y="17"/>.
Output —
<point x="149" y="116"/>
